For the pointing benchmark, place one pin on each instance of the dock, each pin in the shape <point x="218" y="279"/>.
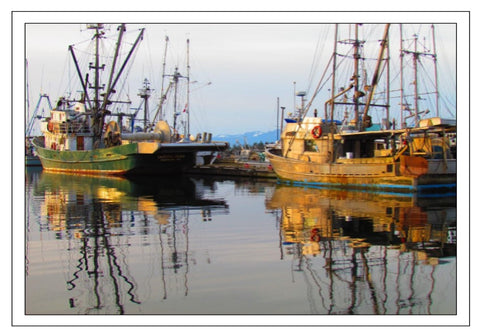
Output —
<point x="244" y="169"/>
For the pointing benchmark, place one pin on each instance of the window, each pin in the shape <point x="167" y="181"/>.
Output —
<point x="310" y="146"/>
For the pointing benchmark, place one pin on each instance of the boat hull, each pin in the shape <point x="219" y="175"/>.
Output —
<point x="127" y="159"/>
<point x="369" y="174"/>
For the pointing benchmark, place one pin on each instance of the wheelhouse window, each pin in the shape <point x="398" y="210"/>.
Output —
<point x="310" y="146"/>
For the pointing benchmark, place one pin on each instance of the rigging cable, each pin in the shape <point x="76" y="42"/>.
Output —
<point x="317" y="56"/>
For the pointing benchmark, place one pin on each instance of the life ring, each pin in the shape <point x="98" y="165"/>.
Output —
<point x="317" y="132"/>
<point x="50" y="126"/>
<point x="315" y="235"/>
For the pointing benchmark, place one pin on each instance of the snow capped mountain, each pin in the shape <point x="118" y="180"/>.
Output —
<point x="250" y="137"/>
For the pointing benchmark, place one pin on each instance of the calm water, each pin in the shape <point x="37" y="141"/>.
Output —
<point x="200" y="245"/>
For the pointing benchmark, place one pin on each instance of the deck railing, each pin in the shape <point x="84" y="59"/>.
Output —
<point x="70" y="127"/>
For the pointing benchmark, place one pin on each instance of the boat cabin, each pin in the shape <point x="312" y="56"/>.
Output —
<point x="68" y="129"/>
<point x="311" y="140"/>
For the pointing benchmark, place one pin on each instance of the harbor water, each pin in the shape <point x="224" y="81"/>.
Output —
<point x="210" y="245"/>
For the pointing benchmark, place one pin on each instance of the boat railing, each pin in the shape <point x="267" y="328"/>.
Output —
<point x="71" y="128"/>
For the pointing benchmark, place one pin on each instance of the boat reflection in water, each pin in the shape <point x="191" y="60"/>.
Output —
<point x="364" y="253"/>
<point x="196" y="245"/>
<point x="109" y="226"/>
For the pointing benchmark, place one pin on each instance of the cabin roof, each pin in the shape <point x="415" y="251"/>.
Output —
<point x="387" y="133"/>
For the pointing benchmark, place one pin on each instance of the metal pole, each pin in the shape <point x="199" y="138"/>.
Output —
<point x="160" y="106"/>
<point x="294" y="89"/>
<point x="436" y="73"/>
<point x="356" y="57"/>
<point x="278" y="111"/>
<point x="187" y="109"/>
<point x="333" y="74"/>
<point x="376" y="74"/>
<point x="80" y="76"/>
<point x="401" y="78"/>
<point x="175" y="79"/>
<point x="388" y="84"/>
<point x="139" y="38"/>
<point x="415" y="59"/>
<point x="115" y="58"/>
<point x="97" y="38"/>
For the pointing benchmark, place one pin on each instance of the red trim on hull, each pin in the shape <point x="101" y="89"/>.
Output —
<point x="87" y="171"/>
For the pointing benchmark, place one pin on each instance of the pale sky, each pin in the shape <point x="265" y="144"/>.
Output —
<point x="249" y="63"/>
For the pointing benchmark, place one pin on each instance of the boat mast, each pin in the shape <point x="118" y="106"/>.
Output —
<point x="176" y="75"/>
<point x="436" y="70"/>
<point x="162" y="92"/>
<point x="174" y="82"/>
<point x="27" y="93"/>
<point x="294" y="100"/>
<point x="334" y="66"/>
<point x="145" y="93"/>
<point x="416" y="58"/>
<point x="121" y="29"/>
<point x="120" y="71"/>
<point x="100" y="112"/>
<point x="388" y="85"/>
<point x="356" y="57"/>
<point x="415" y="70"/>
<point x="376" y="74"/>
<point x="402" y="125"/>
<point x="278" y="109"/>
<point x="97" y="117"/>
<point x="97" y="68"/>
<point x="187" y="108"/>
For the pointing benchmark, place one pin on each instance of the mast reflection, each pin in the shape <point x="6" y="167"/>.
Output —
<point x="364" y="253"/>
<point x="107" y="221"/>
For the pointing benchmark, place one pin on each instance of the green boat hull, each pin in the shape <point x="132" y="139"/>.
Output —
<point x="119" y="160"/>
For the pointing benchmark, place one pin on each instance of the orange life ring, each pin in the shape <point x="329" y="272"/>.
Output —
<point x="50" y="126"/>
<point x="317" y="132"/>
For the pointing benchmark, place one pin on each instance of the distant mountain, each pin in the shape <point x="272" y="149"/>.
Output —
<point x="249" y="137"/>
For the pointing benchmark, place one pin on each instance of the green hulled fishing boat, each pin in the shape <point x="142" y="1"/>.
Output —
<point x="78" y="139"/>
<point x="131" y="158"/>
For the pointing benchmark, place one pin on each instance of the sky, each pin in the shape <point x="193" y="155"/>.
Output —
<point x="248" y="66"/>
<point x="238" y="68"/>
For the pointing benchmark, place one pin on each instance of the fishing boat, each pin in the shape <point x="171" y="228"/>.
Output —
<point x="78" y="138"/>
<point x="352" y="154"/>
